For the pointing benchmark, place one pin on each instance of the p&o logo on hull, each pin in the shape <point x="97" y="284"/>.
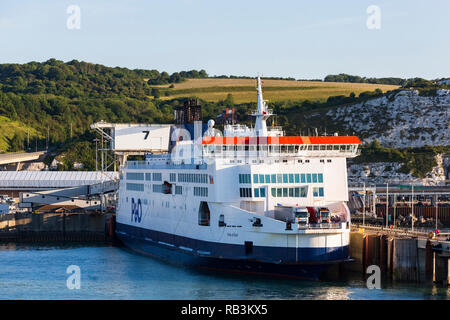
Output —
<point x="136" y="210"/>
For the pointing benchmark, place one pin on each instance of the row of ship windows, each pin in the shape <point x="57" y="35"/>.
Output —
<point x="160" y="188"/>
<point x="297" y="192"/>
<point x="282" y="178"/>
<point x="279" y="148"/>
<point x="157" y="176"/>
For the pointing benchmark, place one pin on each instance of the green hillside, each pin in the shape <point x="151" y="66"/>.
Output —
<point x="14" y="136"/>
<point x="62" y="100"/>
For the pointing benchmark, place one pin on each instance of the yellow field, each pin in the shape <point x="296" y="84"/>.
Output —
<point x="243" y="90"/>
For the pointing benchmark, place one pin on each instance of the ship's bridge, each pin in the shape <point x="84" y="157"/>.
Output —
<point x="295" y="146"/>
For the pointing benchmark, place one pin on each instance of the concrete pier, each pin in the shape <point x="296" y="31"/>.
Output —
<point x="47" y="227"/>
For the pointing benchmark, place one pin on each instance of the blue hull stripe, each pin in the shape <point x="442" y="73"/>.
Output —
<point x="230" y="257"/>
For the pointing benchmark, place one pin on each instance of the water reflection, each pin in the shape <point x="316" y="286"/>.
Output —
<point x="39" y="272"/>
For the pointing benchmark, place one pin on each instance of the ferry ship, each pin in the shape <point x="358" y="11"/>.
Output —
<point x="250" y="200"/>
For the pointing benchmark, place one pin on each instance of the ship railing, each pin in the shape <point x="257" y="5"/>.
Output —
<point x="333" y="225"/>
<point x="256" y="112"/>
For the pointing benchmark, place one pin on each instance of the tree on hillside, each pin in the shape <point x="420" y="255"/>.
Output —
<point x="16" y="143"/>
<point x="229" y="101"/>
<point x="155" y="93"/>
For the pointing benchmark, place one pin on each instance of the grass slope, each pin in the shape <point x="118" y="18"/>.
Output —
<point x="9" y="128"/>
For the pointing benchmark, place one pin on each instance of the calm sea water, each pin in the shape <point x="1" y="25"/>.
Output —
<point x="39" y="272"/>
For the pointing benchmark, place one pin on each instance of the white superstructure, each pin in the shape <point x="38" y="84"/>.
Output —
<point x="215" y="196"/>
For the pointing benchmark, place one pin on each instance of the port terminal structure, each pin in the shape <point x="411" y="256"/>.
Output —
<point x="82" y="190"/>
<point x="428" y="206"/>
<point x="59" y="189"/>
<point x="127" y="139"/>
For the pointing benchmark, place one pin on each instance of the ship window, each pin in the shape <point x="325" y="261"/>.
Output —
<point x="297" y="178"/>
<point x="303" y="192"/>
<point x="329" y="147"/>
<point x="148" y="177"/>
<point x="135" y="186"/>
<point x="320" y="177"/>
<point x="267" y="178"/>
<point x="285" y="178"/>
<point x="262" y="192"/>
<point x="279" y="178"/>
<point x="297" y="192"/>
<point x="322" y="161"/>
<point x="245" y="192"/>
<point x="285" y="192"/>
<point x="314" y="177"/>
<point x="255" y="178"/>
<point x="273" y="178"/>
<point x="203" y="214"/>
<point x="261" y="178"/>
<point x="256" y="192"/>
<point x="279" y="192"/>
<point x="157" y="188"/>
<point x="135" y="176"/>
<point x="244" y="178"/>
<point x="329" y="160"/>
<point x="315" y="192"/>
<point x="307" y="161"/>
<point x="308" y="177"/>
<point x="157" y="176"/>
<point x="291" y="192"/>
<point x="320" y="192"/>
<point x="309" y="147"/>
<point x="200" y="191"/>
<point x="291" y="178"/>
<point x="173" y="177"/>
<point x="323" y="147"/>
<point x="336" y="147"/>
<point x="274" y="192"/>
<point x="178" y="190"/>
<point x="303" y="176"/>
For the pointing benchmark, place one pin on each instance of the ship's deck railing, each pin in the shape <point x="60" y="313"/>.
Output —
<point x="256" y="112"/>
<point x="332" y="225"/>
<point x="230" y="151"/>
<point x="161" y="165"/>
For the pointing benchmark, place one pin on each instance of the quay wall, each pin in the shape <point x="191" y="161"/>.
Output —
<point x="400" y="258"/>
<point x="47" y="227"/>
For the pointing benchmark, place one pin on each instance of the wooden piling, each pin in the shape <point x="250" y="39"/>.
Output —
<point x="442" y="269"/>
<point x="405" y="260"/>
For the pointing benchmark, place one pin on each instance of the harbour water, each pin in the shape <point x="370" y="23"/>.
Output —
<point x="108" y="272"/>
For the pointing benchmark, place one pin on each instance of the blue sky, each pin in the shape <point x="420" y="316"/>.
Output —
<point x="300" y="39"/>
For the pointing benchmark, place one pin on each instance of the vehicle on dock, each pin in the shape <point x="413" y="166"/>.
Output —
<point x="231" y="201"/>
<point x="324" y="215"/>
<point x="292" y="214"/>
